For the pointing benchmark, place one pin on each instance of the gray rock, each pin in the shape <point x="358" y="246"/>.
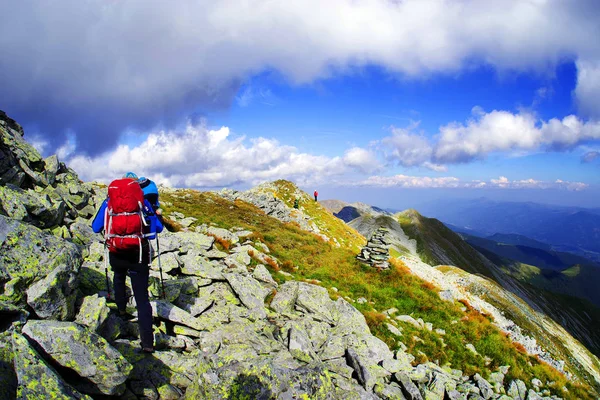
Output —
<point x="162" y="341"/>
<point x="250" y="292"/>
<point x="28" y="255"/>
<point x="532" y="395"/>
<point x="410" y="390"/>
<point x="456" y="395"/>
<point x="51" y="168"/>
<point x="517" y="390"/>
<point x="54" y="296"/>
<point x="484" y="386"/>
<point x="36" y="379"/>
<point x="195" y="305"/>
<point x="536" y="383"/>
<point x="393" y="329"/>
<point x="192" y="242"/>
<point x="363" y="375"/>
<point x="101" y="368"/>
<point x="222" y="234"/>
<point x="169" y="312"/>
<point x="391" y="391"/>
<point x="315" y="300"/>
<point x="168" y="261"/>
<point x="300" y="345"/>
<point x="284" y="301"/>
<point x="93" y="313"/>
<point x="200" y="266"/>
<point x="410" y="320"/>
<point x="261" y="274"/>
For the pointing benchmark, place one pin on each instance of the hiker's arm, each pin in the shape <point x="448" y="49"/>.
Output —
<point x="159" y="225"/>
<point x="98" y="223"/>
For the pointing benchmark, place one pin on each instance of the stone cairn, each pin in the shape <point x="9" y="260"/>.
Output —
<point x="376" y="252"/>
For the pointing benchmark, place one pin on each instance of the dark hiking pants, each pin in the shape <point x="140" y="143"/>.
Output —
<point x="139" y="274"/>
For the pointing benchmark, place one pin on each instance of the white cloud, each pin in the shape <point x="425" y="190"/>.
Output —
<point x="362" y="159"/>
<point x="202" y="157"/>
<point x="406" y="147"/>
<point x="450" y="182"/>
<point x="502" y="131"/>
<point x="114" y="64"/>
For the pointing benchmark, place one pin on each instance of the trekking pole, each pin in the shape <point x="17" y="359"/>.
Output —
<point x="162" y="282"/>
<point x="106" y="272"/>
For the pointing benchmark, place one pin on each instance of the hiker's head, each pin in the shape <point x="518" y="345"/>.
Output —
<point x="130" y="175"/>
<point x="142" y="180"/>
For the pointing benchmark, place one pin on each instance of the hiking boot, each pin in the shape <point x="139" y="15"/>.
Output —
<point x="148" y="349"/>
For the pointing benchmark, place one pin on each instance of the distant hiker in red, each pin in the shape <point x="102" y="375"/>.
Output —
<point x="129" y="221"/>
<point x="316" y="194"/>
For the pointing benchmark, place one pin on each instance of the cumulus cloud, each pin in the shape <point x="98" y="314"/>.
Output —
<point x="201" y="157"/>
<point x="362" y="159"/>
<point x="100" y="66"/>
<point x="408" y="148"/>
<point x="485" y="133"/>
<point x="450" y="182"/>
<point x="503" y="131"/>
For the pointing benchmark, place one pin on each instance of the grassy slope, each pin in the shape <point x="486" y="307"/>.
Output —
<point x="308" y="257"/>
<point x="436" y="244"/>
<point x="577" y="316"/>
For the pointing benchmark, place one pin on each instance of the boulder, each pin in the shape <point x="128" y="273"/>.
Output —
<point x="36" y="379"/>
<point x="196" y="265"/>
<point x="101" y="370"/>
<point x="192" y="242"/>
<point x="315" y="300"/>
<point x="222" y="234"/>
<point x="262" y="274"/>
<point x="8" y="376"/>
<point x="283" y="302"/>
<point x="300" y="345"/>
<point x="93" y="313"/>
<point x="250" y="292"/>
<point x="54" y="296"/>
<point x="169" y="312"/>
<point x="28" y="255"/>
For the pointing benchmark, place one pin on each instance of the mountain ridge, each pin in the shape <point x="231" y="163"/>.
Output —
<point x="222" y="330"/>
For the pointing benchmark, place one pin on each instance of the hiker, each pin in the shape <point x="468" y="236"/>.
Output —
<point x="150" y="192"/>
<point x="316" y="194"/>
<point x="296" y="203"/>
<point x="129" y="221"/>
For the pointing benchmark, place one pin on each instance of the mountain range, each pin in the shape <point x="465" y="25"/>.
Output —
<point x="568" y="229"/>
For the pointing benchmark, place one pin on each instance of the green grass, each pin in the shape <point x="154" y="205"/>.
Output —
<point x="309" y="257"/>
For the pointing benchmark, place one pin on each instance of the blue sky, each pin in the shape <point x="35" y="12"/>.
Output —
<point x="388" y="102"/>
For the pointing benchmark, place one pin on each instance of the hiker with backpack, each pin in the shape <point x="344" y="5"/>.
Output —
<point x="129" y="222"/>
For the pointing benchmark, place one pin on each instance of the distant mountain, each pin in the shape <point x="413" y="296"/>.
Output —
<point x="544" y="258"/>
<point x="349" y="211"/>
<point x="568" y="296"/>
<point x="571" y="229"/>
<point x="511" y="238"/>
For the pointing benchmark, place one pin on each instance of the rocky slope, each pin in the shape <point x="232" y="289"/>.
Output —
<point x="226" y="329"/>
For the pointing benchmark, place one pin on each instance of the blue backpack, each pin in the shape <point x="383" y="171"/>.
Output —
<point x="150" y="191"/>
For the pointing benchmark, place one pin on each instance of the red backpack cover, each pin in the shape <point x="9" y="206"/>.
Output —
<point x="124" y="221"/>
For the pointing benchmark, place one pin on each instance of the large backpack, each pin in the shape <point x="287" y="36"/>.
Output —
<point x="150" y="191"/>
<point x="124" y="220"/>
